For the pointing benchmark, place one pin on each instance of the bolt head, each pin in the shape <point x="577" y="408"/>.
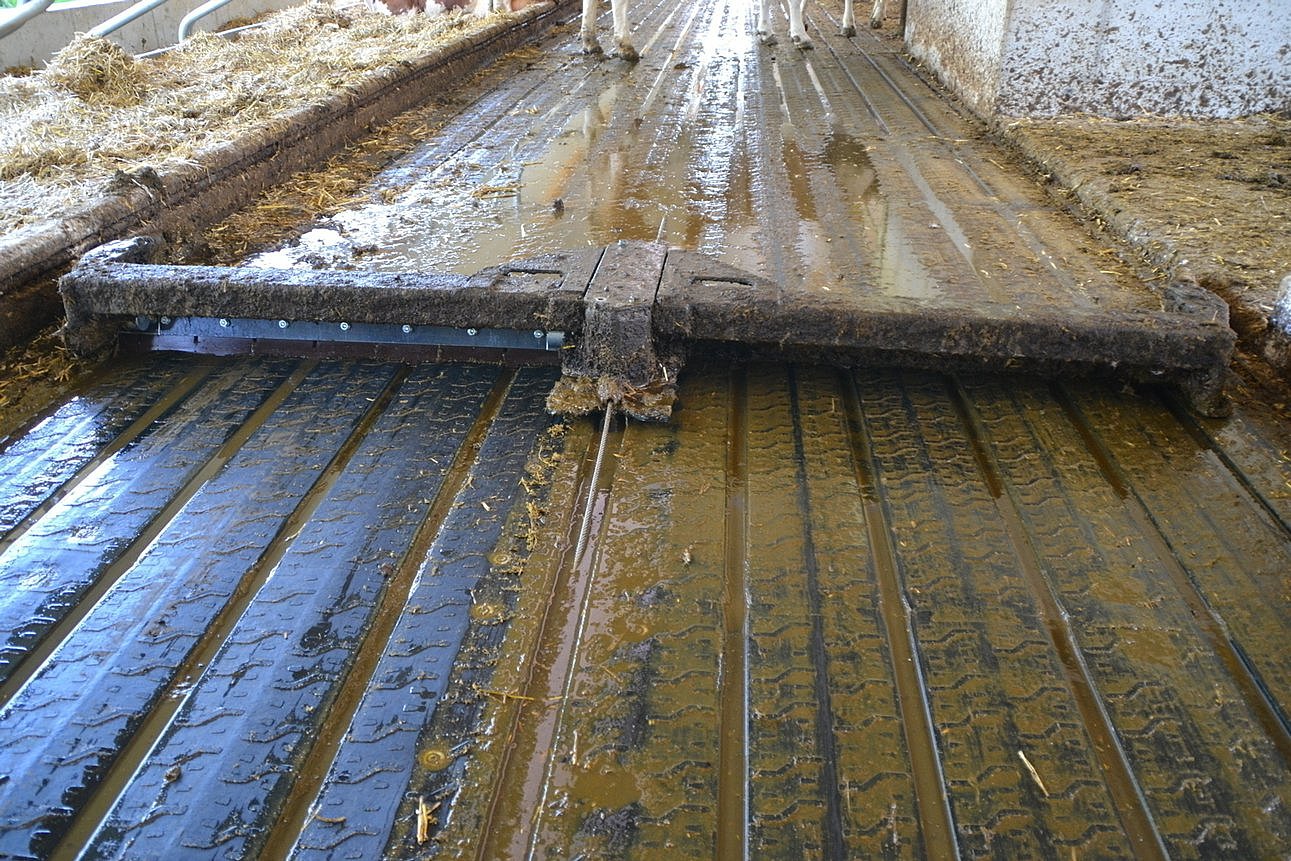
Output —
<point x="406" y="329"/>
<point x="472" y="332"/>
<point x="345" y="327"/>
<point x="282" y="324"/>
<point x="537" y="334"/>
<point x="224" y="323"/>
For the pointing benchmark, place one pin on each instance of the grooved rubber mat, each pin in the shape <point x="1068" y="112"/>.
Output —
<point x="272" y="609"/>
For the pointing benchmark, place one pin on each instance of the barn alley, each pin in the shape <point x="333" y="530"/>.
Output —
<point x="895" y="599"/>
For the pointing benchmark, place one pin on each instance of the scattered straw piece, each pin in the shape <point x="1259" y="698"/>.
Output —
<point x="339" y="182"/>
<point x="1035" y="775"/>
<point x="497" y="190"/>
<point x="424" y="818"/>
<point x="32" y="376"/>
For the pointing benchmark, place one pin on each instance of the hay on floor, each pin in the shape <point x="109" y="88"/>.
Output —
<point x="65" y="131"/>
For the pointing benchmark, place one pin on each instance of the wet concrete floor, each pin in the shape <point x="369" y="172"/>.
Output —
<point x="837" y="174"/>
<point x="830" y="170"/>
<point x="333" y="609"/>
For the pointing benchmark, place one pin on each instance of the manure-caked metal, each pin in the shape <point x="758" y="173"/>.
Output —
<point x="622" y="318"/>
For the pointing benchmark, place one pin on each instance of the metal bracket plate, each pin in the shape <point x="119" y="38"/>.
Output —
<point x="199" y="328"/>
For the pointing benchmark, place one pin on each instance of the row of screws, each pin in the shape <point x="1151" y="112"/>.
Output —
<point x="143" y="323"/>
<point x="406" y="328"/>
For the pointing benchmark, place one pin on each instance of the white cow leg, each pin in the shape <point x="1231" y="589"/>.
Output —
<point x="797" y="29"/>
<point x="876" y="14"/>
<point x="849" y="19"/>
<point x="764" y="23"/>
<point x="590" y="45"/>
<point x="625" y="48"/>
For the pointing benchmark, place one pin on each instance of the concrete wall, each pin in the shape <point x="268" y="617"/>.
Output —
<point x="46" y="34"/>
<point x="962" y="40"/>
<point x="1217" y="58"/>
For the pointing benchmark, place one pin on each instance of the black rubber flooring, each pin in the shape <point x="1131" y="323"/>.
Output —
<point x="299" y="609"/>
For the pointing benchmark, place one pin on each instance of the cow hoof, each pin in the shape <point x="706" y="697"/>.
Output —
<point x="849" y="30"/>
<point x="876" y="23"/>
<point x="802" y="43"/>
<point x="767" y="39"/>
<point x="627" y="52"/>
<point x="591" y="46"/>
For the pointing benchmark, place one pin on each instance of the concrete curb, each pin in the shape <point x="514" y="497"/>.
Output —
<point x="227" y="176"/>
<point x="1256" y="329"/>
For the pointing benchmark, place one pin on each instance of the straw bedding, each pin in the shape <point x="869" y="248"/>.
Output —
<point x="67" y="130"/>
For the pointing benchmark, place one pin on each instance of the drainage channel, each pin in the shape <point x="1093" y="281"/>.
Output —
<point x="511" y="826"/>
<point x="816" y="606"/>
<point x="733" y="752"/>
<point x="935" y="819"/>
<point x="1131" y="804"/>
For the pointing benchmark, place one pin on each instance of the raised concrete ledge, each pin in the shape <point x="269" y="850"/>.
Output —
<point x="1261" y="332"/>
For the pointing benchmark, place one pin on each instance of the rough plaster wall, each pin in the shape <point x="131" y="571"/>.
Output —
<point x="962" y="41"/>
<point x="1218" y="58"/>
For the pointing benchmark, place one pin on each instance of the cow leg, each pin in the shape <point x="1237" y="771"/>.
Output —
<point x="764" y="23"/>
<point x="849" y="19"/>
<point x="876" y="14"/>
<point x="797" y="29"/>
<point x="626" y="50"/>
<point x="590" y="45"/>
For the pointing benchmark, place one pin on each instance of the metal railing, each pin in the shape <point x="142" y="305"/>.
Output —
<point x="27" y="11"/>
<point x="186" y="25"/>
<point x="125" y="16"/>
<point x="223" y="34"/>
<point x="21" y="15"/>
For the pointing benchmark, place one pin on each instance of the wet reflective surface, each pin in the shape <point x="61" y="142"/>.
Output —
<point x="821" y="613"/>
<point x="270" y="608"/>
<point x="831" y="170"/>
